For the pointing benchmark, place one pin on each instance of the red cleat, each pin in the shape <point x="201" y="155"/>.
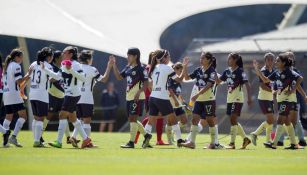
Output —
<point x="86" y="142"/>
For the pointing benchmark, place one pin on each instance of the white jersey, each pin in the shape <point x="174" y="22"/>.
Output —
<point x="72" y="84"/>
<point x="11" y="93"/>
<point x="39" y="82"/>
<point x="160" y="77"/>
<point x="91" y="75"/>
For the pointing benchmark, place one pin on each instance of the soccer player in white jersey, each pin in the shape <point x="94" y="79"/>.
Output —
<point x="13" y="102"/>
<point x="85" y="106"/>
<point x="73" y="77"/>
<point x="39" y="92"/>
<point x="159" y="101"/>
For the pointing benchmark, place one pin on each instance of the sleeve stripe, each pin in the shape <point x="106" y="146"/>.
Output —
<point x="172" y="74"/>
<point x="18" y="74"/>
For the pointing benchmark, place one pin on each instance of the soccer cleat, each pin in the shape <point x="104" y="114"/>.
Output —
<point x="188" y="145"/>
<point x="294" y="146"/>
<point x="280" y="143"/>
<point x="266" y="144"/>
<point x="39" y="145"/>
<point x="160" y="142"/>
<point x="146" y="141"/>
<point x="230" y="146"/>
<point x="55" y="144"/>
<point x="302" y="143"/>
<point x="214" y="146"/>
<point x="6" y="138"/>
<point x="246" y="141"/>
<point x="86" y="142"/>
<point x="68" y="140"/>
<point x="73" y="142"/>
<point x="13" y="140"/>
<point x="91" y="145"/>
<point x="254" y="139"/>
<point x="128" y="145"/>
<point x="42" y="140"/>
<point x="180" y="142"/>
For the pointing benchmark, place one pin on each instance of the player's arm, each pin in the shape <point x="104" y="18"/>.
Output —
<point x="184" y="70"/>
<point x="117" y="74"/>
<point x="106" y="75"/>
<point x="202" y="91"/>
<point x="265" y="87"/>
<point x="173" y="96"/>
<point x="53" y="75"/>
<point x="259" y="73"/>
<point x="248" y="90"/>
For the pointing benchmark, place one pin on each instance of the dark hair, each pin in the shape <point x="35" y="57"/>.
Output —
<point x="210" y="57"/>
<point x="56" y="55"/>
<point x="73" y="50"/>
<point x="284" y="57"/>
<point x="291" y="57"/>
<point x="85" y="56"/>
<point x="238" y="58"/>
<point x="151" y="54"/>
<point x="269" y="54"/>
<point x="14" y="53"/>
<point x="157" y="55"/>
<point x="136" y="52"/>
<point x="43" y="54"/>
<point x="1" y="61"/>
<point x="177" y="65"/>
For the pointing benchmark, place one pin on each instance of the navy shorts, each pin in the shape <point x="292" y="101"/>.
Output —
<point x="204" y="108"/>
<point x="39" y="108"/>
<point x="266" y="106"/>
<point x="14" y="108"/>
<point x="55" y="104"/>
<point x="234" y="108"/>
<point x="294" y="106"/>
<point x="284" y="108"/>
<point x="70" y="103"/>
<point x="85" y="110"/>
<point x="157" y="105"/>
<point x="179" y="111"/>
<point x="135" y="108"/>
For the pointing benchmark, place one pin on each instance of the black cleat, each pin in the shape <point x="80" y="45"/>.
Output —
<point x="6" y="137"/>
<point x="41" y="140"/>
<point x="179" y="143"/>
<point x="269" y="145"/>
<point x="147" y="138"/>
<point x="280" y="143"/>
<point x="128" y="145"/>
<point x="294" y="146"/>
<point x="302" y="143"/>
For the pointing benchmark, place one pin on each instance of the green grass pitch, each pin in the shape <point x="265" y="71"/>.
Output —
<point x="110" y="159"/>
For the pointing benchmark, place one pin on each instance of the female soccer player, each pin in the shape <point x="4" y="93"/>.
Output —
<point x="265" y="99"/>
<point x="73" y="76"/>
<point x="38" y="94"/>
<point x="235" y="78"/>
<point x="137" y="80"/>
<point x="177" y="101"/>
<point x="56" y="95"/>
<point x="287" y="82"/>
<point x="159" y="101"/>
<point x="13" y="102"/>
<point x="85" y="106"/>
<point x="204" y="99"/>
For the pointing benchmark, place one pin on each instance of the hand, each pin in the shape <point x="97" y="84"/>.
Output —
<point x="137" y="96"/>
<point x="289" y="92"/>
<point x="255" y="64"/>
<point x="186" y="61"/>
<point x="176" y="103"/>
<point x="42" y="65"/>
<point x="112" y="59"/>
<point x="30" y="70"/>
<point x="194" y="98"/>
<point x="111" y="62"/>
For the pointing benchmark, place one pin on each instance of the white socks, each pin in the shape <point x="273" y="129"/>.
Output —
<point x="46" y="121"/>
<point x="233" y="133"/>
<point x="241" y="131"/>
<point x="77" y="125"/>
<point x="6" y="124"/>
<point x="87" y="128"/>
<point x="2" y="129"/>
<point x="148" y="128"/>
<point x="194" y="132"/>
<point x="38" y="130"/>
<point x="177" y="131"/>
<point x="18" y="126"/>
<point x="61" y="129"/>
<point x="140" y="128"/>
<point x="133" y="130"/>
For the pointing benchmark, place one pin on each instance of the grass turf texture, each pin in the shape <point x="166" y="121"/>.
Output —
<point x="109" y="158"/>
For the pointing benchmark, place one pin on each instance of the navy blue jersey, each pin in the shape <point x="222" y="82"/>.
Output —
<point x="203" y="77"/>
<point x="235" y="80"/>
<point x="285" y="81"/>
<point x="174" y="86"/>
<point x="136" y="76"/>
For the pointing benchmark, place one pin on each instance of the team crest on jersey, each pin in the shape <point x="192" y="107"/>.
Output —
<point x="282" y="76"/>
<point x="212" y="75"/>
<point x="244" y="75"/>
<point x="133" y="72"/>
<point x="205" y="76"/>
<point x="233" y="76"/>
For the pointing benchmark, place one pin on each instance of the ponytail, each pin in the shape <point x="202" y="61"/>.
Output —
<point x="157" y="55"/>
<point x="85" y="56"/>
<point x="73" y="50"/>
<point x="238" y="58"/>
<point x="14" y="53"/>
<point x="43" y="54"/>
